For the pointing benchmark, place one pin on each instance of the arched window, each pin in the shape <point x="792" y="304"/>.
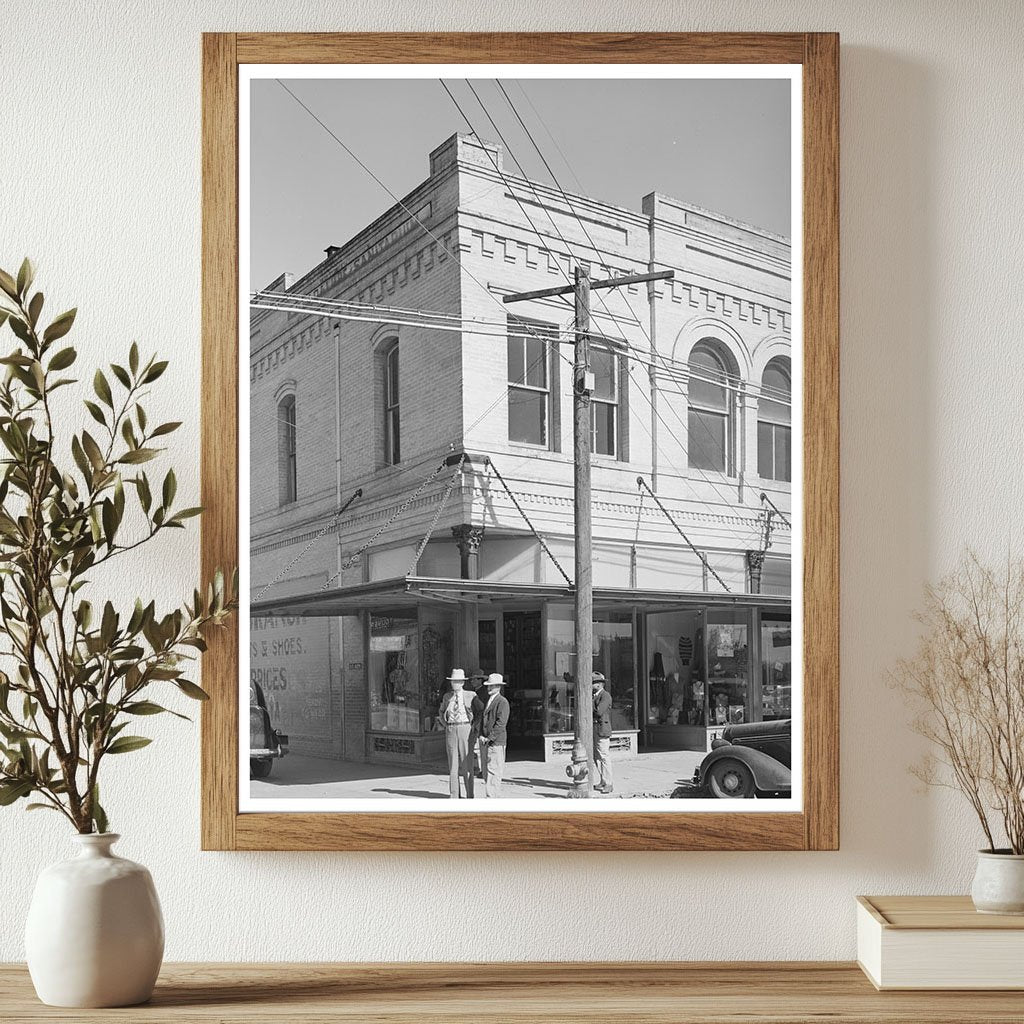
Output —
<point x="287" y="479"/>
<point x="773" y="418"/>
<point x="710" y="427"/>
<point x="392" y="419"/>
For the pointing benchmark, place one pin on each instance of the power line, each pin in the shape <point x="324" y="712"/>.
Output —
<point x="625" y="298"/>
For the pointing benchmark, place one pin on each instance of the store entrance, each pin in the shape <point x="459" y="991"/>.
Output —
<point x="524" y="671"/>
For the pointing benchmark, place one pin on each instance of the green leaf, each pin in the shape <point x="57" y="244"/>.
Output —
<point x="121" y="374"/>
<point x="80" y="458"/>
<point x="138" y="455"/>
<point x="109" y="521"/>
<point x="35" y="307"/>
<point x="95" y="412"/>
<point x="99" y="816"/>
<point x="147" y="707"/>
<point x="14" y="790"/>
<point x="20" y="329"/>
<point x="143" y="707"/>
<point x="155" y="371"/>
<point x="26" y="274"/>
<point x="191" y="690"/>
<point x="102" y="388"/>
<point x="63" y="359"/>
<point x="128" y="433"/>
<point x="41" y="807"/>
<point x="126" y="744"/>
<point x="185" y="513"/>
<point x="8" y="285"/>
<point x="92" y="449"/>
<point x="133" y="358"/>
<point x="60" y="326"/>
<point x="170" y="488"/>
<point x="166" y="428"/>
<point x="108" y="625"/>
<point x="145" y="497"/>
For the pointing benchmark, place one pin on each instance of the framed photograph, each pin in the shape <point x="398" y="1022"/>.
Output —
<point x="520" y="419"/>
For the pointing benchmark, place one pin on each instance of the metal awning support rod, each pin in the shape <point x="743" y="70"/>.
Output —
<point x="642" y="483"/>
<point x="355" y="556"/>
<point x="767" y="500"/>
<point x="323" y="533"/>
<point x="488" y="462"/>
<point x="411" y="571"/>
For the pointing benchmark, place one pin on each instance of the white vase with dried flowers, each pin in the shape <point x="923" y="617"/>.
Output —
<point x="95" y="934"/>
<point x="966" y="683"/>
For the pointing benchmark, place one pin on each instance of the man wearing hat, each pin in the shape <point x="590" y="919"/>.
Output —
<point x="459" y="713"/>
<point x="602" y="734"/>
<point x="494" y="735"/>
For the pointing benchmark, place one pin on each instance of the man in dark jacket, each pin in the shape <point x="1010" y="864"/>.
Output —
<point x="602" y="734"/>
<point x="494" y="735"/>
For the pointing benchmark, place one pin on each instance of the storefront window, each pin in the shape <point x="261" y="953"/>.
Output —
<point x="437" y="658"/>
<point x="393" y="673"/>
<point x="613" y="656"/>
<point x="728" y="667"/>
<point x="776" y="667"/>
<point x="675" y="686"/>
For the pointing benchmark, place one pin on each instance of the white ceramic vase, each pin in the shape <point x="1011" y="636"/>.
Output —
<point x="999" y="883"/>
<point x="95" y="934"/>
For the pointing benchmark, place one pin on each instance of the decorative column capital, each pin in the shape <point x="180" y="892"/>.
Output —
<point x="755" y="563"/>
<point x="469" y="538"/>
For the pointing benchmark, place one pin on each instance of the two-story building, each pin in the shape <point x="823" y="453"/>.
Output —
<point x="421" y="362"/>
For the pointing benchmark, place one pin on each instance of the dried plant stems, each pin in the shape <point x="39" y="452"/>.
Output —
<point x="966" y="682"/>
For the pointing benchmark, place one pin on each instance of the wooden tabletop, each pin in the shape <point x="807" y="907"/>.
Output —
<point x="665" y="993"/>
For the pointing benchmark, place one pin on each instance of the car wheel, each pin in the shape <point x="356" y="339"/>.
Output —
<point x="729" y="779"/>
<point x="261" y="769"/>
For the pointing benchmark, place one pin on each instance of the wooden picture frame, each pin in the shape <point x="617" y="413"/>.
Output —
<point x="816" y="827"/>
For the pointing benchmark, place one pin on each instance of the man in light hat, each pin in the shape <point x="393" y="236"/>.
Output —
<point x="602" y="734"/>
<point x="494" y="735"/>
<point x="459" y="711"/>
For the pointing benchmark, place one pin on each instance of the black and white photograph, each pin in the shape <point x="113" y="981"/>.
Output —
<point x="520" y="438"/>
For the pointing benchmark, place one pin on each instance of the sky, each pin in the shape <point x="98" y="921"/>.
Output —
<point x="723" y="144"/>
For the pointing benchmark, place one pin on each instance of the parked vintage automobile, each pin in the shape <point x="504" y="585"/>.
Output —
<point x="747" y="761"/>
<point x="265" y="742"/>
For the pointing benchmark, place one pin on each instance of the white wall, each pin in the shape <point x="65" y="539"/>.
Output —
<point x="99" y="164"/>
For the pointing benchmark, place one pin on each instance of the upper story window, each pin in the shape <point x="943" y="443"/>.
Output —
<point x="710" y="420"/>
<point x="774" y="441"/>
<point x="392" y="418"/>
<point x="529" y="385"/>
<point x="286" y="451"/>
<point x="604" y="402"/>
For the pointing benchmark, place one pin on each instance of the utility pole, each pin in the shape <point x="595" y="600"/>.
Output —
<point x="582" y="387"/>
<point x="582" y="769"/>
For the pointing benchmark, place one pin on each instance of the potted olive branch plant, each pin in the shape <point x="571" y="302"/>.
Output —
<point x="966" y="683"/>
<point x="80" y="672"/>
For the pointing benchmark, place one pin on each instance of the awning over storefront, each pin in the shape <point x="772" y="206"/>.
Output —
<point x="409" y="591"/>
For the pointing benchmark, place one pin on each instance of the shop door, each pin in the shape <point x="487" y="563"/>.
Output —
<point x="524" y="677"/>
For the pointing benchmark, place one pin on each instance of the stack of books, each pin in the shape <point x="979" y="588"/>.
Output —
<point x="938" y="942"/>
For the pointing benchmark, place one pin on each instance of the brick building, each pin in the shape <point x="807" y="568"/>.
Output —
<point x="354" y="664"/>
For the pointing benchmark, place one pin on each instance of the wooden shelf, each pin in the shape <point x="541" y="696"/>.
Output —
<point x="793" y="993"/>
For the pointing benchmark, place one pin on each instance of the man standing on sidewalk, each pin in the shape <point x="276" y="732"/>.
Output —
<point x="602" y="734"/>
<point x="494" y="735"/>
<point x="458" y="712"/>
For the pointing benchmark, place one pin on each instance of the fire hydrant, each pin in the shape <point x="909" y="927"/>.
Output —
<point x="578" y="771"/>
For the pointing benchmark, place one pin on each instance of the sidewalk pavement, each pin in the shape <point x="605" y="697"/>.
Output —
<point x="654" y="774"/>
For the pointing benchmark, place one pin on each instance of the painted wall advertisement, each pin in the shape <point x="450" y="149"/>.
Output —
<point x="290" y="658"/>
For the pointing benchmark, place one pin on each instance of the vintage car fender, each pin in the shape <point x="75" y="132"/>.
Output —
<point x="769" y="775"/>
